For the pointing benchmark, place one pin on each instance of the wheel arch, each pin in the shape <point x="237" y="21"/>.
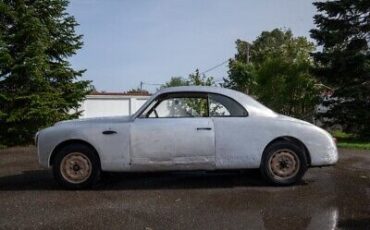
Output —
<point x="294" y="140"/>
<point x="70" y="142"/>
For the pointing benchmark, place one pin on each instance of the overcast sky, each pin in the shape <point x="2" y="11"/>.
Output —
<point x="128" y="41"/>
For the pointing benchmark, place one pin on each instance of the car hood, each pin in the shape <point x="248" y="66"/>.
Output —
<point x="95" y="120"/>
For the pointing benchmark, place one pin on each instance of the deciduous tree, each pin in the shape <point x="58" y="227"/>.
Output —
<point x="275" y="68"/>
<point x="195" y="78"/>
<point x="38" y="86"/>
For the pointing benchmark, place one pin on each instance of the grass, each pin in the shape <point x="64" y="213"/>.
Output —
<point x="349" y="141"/>
<point x="354" y="145"/>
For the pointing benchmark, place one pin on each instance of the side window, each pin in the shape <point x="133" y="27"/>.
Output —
<point x="148" y="109"/>
<point x="179" y="106"/>
<point x="221" y="106"/>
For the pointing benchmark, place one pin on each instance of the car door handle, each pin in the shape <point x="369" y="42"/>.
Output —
<point x="204" y="128"/>
<point x="107" y="132"/>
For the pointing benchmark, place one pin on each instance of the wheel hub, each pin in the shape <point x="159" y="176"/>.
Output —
<point x="284" y="164"/>
<point x="76" y="167"/>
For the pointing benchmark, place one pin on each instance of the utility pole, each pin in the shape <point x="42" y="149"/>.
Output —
<point x="141" y="85"/>
<point x="247" y="57"/>
<point x="247" y="54"/>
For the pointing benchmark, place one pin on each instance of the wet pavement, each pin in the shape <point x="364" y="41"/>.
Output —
<point x="328" y="198"/>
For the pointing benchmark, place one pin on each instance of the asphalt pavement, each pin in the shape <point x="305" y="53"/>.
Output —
<point x="328" y="198"/>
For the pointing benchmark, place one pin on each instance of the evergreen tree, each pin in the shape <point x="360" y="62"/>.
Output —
<point x="38" y="86"/>
<point x="344" y="63"/>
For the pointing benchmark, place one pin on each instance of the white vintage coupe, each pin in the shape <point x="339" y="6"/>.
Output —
<point x="186" y="128"/>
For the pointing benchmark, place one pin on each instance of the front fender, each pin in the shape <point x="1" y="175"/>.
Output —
<point x="48" y="139"/>
<point x="113" y="150"/>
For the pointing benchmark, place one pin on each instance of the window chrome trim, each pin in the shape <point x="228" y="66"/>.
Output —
<point x="158" y="98"/>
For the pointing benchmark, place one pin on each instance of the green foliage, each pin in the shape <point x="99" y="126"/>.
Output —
<point x="275" y="68"/>
<point x="200" y="106"/>
<point x="242" y="76"/>
<point x="194" y="79"/>
<point x="354" y="145"/>
<point x="200" y="79"/>
<point x="38" y="86"/>
<point x="287" y="87"/>
<point x="350" y="141"/>
<point x="138" y="91"/>
<point x="175" y="81"/>
<point x="344" y="63"/>
<point x="340" y="135"/>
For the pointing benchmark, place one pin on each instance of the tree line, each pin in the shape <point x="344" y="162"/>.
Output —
<point x="288" y="73"/>
<point x="293" y="76"/>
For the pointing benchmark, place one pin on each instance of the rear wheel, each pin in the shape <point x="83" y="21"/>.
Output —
<point x="76" y="166"/>
<point x="283" y="163"/>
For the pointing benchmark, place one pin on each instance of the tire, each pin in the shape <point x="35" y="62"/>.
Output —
<point x="76" y="166"/>
<point x="283" y="163"/>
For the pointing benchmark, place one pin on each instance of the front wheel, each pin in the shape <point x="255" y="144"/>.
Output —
<point x="76" y="166"/>
<point x="283" y="163"/>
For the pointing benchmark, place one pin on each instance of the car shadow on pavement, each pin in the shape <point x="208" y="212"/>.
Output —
<point x="361" y="223"/>
<point x="28" y="180"/>
<point x="43" y="180"/>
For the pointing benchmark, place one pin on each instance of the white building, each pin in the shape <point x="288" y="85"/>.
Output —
<point x="111" y="104"/>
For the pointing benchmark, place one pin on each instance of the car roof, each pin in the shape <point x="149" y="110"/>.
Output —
<point x="252" y="106"/>
<point x="207" y="89"/>
<point x="236" y="95"/>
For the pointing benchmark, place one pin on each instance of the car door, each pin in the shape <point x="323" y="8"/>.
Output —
<point x="174" y="132"/>
<point x="234" y="133"/>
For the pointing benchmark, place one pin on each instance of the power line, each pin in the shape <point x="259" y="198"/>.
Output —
<point x="146" y="83"/>
<point x="215" y="67"/>
<point x="206" y="71"/>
